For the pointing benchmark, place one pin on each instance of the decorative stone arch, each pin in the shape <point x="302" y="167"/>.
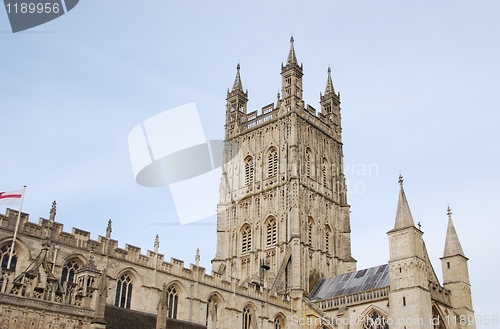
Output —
<point x="246" y="238"/>
<point x="271" y="231"/>
<point x="310" y="230"/>
<point x="249" y="316"/>
<point x="325" y="173"/>
<point x="370" y="321"/>
<point x="176" y="292"/>
<point x="128" y="283"/>
<point x="438" y="319"/>
<point x="328" y="240"/>
<point x="79" y="258"/>
<point x="271" y="161"/>
<point x="69" y="266"/>
<point x="249" y="171"/>
<point x="279" y="321"/>
<point x="215" y="305"/>
<point x="309" y="163"/>
<point x="21" y="251"/>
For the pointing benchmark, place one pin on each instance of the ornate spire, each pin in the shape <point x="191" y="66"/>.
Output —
<point x="197" y="257"/>
<point x="108" y="230"/>
<point x="329" y="84"/>
<point x="403" y="214"/>
<point x="292" y="59"/>
<point x="53" y="211"/>
<point x="157" y="241"/>
<point x="237" y="85"/>
<point x="452" y="246"/>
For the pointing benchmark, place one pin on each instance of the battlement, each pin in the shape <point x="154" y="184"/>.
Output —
<point x="270" y="113"/>
<point x="80" y="240"/>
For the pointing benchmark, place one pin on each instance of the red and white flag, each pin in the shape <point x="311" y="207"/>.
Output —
<point x="11" y="198"/>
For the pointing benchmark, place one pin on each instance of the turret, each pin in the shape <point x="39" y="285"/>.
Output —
<point x="236" y="106"/>
<point x="409" y="296"/>
<point x="291" y="81"/>
<point x="330" y="106"/>
<point x="456" y="273"/>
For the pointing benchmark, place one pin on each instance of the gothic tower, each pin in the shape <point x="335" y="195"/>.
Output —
<point x="456" y="275"/>
<point x="409" y="296"/>
<point x="283" y="218"/>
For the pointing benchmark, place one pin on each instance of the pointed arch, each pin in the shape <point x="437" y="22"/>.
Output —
<point x="215" y="303"/>
<point x="310" y="230"/>
<point x="328" y="239"/>
<point x="249" y="170"/>
<point x="374" y="318"/>
<point x="272" y="162"/>
<point x="248" y="317"/>
<point x="279" y="321"/>
<point x="309" y="162"/>
<point x="438" y="320"/>
<point x="271" y="231"/>
<point x="21" y="251"/>
<point x="324" y="172"/>
<point x="246" y="238"/>
<point x="68" y="270"/>
<point x="123" y="293"/>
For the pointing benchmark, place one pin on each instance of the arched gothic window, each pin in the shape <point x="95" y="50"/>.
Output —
<point x="375" y="321"/>
<point x="172" y="302"/>
<point x="247" y="318"/>
<point x="328" y="234"/>
<point x="437" y="320"/>
<point x="308" y="162"/>
<point x="68" y="272"/>
<point x="4" y="257"/>
<point x="272" y="164"/>
<point x="272" y="232"/>
<point x="246" y="239"/>
<point x="249" y="171"/>
<point x="324" y="172"/>
<point x="123" y="291"/>
<point x="279" y="323"/>
<point x="310" y="225"/>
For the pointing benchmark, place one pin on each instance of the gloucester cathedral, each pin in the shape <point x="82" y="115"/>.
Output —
<point x="283" y="256"/>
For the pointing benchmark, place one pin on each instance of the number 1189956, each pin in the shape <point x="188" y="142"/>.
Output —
<point x="31" y="8"/>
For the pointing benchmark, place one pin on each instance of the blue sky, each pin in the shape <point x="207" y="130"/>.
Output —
<point x="419" y="84"/>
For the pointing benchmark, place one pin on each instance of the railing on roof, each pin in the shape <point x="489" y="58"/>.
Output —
<point x="356" y="298"/>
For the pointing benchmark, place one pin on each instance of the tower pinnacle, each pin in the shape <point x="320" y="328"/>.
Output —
<point x="403" y="214"/>
<point x="329" y="84"/>
<point x="452" y="245"/>
<point x="237" y="85"/>
<point x="292" y="59"/>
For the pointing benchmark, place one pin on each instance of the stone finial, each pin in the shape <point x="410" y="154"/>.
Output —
<point x="292" y="58"/>
<point x="157" y="241"/>
<point x="404" y="218"/>
<point x="53" y="211"/>
<point x="237" y="85"/>
<point x="197" y="257"/>
<point x="108" y="230"/>
<point x="329" y="89"/>
<point x="452" y="245"/>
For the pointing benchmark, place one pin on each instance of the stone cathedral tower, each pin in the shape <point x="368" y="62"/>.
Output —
<point x="283" y="218"/>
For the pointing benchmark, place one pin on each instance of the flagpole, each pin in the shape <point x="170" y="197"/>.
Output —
<point x="17" y="228"/>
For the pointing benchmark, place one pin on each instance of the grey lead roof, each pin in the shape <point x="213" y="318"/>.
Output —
<point x="349" y="283"/>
